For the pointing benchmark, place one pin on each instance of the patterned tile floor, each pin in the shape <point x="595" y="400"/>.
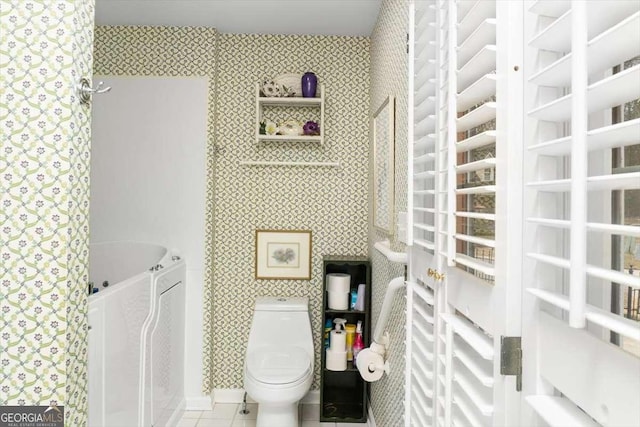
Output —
<point x="228" y="415"/>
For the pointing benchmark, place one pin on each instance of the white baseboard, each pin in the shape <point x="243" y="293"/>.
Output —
<point x="311" y="398"/>
<point x="198" y="403"/>
<point x="236" y="395"/>
<point x="371" y="422"/>
<point x="227" y="395"/>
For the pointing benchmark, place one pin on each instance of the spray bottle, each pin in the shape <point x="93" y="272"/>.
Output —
<point x="358" y="343"/>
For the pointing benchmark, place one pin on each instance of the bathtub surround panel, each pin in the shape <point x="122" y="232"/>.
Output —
<point x="389" y="77"/>
<point x="47" y="47"/>
<point x="331" y="202"/>
<point x="148" y="178"/>
<point x="177" y="52"/>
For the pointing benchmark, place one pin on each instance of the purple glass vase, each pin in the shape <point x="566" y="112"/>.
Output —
<point x="309" y="84"/>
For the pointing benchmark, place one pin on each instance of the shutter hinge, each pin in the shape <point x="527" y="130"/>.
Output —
<point x="407" y="42"/>
<point x="511" y="358"/>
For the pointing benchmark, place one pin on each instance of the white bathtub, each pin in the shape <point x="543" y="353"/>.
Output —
<point x="136" y="336"/>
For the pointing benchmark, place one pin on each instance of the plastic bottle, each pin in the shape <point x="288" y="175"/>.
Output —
<point x="327" y="329"/>
<point x="358" y="343"/>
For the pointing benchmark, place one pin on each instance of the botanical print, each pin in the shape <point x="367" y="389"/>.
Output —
<point x="283" y="255"/>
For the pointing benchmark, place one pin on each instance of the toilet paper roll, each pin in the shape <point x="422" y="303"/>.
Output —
<point x="336" y="360"/>
<point x="338" y="341"/>
<point x="338" y="300"/>
<point x="338" y="282"/>
<point x="370" y="365"/>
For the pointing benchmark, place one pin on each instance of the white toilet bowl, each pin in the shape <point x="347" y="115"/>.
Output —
<point x="278" y="367"/>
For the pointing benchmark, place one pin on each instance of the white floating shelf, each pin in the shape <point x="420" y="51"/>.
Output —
<point x="301" y="164"/>
<point x="289" y="101"/>
<point x="287" y="138"/>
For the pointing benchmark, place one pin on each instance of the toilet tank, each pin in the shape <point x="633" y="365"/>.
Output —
<point x="282" y="304"/>
<point x="282" y="322"/>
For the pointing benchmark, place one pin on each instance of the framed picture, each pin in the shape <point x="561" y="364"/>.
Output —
<point x="283" y="254"/>
<point x="383" y="134"/>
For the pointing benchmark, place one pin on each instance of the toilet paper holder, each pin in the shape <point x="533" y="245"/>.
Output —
<point x="372" y="361"/>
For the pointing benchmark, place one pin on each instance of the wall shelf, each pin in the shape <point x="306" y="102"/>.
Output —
<point x="292" y="103"/>
<point x="303" y="164"/>
<point x="300" y="138"/>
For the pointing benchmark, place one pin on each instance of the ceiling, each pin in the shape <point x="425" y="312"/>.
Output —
<point x="316" y="17"/>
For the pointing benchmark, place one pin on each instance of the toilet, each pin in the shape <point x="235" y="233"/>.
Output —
<point x="278" y="366"/>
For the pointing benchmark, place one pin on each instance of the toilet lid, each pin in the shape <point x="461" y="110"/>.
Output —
<point x="278" y="365"/>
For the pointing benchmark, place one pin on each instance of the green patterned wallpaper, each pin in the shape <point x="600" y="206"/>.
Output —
<point x="389" y="77"/>
<point x="330" y="202"/>
<point x="44" y="171"/>
<point x="171" y="51"/>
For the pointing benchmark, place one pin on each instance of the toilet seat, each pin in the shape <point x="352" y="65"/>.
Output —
<point x="278" y="365"/>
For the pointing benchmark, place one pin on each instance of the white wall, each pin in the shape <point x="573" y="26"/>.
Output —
<point x="148" y="181"/>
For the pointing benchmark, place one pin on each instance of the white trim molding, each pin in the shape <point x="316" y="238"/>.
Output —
<point x="236" y="395"/>
<point x="198" y="403"/>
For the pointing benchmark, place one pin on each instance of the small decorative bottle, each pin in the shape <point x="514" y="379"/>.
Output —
<point x="358" y="344"/>
<point x="309" y="83"/>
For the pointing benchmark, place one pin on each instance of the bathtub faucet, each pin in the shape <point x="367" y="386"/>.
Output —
<point x="156" y="267"/>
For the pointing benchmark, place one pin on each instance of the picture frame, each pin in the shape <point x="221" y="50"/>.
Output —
<point x="283" y="255"/>
<point x="383" y="135"/>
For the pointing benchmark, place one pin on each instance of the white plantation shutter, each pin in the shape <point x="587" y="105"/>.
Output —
<point x="472" y="137"/>
<point x="420" y="342"/>
<point x="420" y="393"/>
<point x="573" y="47"/>
<point x="465" y="374"/>
<point x="424" y="67"/>
<point x="454" y="197"/>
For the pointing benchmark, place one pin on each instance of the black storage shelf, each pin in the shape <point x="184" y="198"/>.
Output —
<point x="344" y="394"/>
